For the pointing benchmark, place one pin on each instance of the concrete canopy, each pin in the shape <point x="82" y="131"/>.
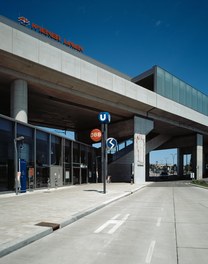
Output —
<point x="70" y="96"/>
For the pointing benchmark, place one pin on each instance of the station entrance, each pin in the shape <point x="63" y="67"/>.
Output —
<point x="51" y="160"/>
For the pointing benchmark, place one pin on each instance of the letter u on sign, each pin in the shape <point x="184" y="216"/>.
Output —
<point x="104" y="117"/>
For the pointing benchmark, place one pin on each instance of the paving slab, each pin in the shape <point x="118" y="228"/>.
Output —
<point x="29" y="216"/>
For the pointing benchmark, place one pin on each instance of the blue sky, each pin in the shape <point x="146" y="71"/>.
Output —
<point x="129" y="36"/>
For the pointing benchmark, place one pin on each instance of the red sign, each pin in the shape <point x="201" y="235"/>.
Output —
<point x="96" y="135"/>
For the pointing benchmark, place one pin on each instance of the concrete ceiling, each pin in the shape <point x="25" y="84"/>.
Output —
<point x="60" y="101"/>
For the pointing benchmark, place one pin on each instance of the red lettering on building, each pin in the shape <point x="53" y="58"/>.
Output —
<point x="56" y="37"/>
<point x="72" y="45"/>
<point x="45" y="32"/>
<point x="34" y="26"/>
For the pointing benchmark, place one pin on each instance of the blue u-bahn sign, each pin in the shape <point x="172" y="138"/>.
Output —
<point x="104" y="117"/>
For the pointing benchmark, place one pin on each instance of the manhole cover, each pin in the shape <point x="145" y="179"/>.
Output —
<point x="47" y="224"/>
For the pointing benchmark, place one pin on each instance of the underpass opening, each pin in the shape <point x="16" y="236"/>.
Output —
<point x="187" y="166"/>
<point x="163" y="165"/>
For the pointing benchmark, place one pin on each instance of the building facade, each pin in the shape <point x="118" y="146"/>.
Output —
<point x="51" y="160"/>
<point x="47" y="82"/>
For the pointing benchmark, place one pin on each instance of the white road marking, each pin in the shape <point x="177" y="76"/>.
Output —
<point x="150" y="252"/>
<point x="116" y="216"/>
<point x="158" y="221"/>
<point x="117" y="224"/>
<point x="113" y="221"/>
<point x="125" y="217"/>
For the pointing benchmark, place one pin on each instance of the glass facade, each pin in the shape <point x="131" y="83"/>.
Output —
<point x="173" y="88"/>
<point x="67" y="162"/>
<point x="76" y="163"/>
<point x="42" y="159"/>
<point x="51" y="160"/>
<point x="6" y="155"/>
<point x="25" y="151"/>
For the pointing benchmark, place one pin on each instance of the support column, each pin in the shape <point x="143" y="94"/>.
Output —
<point x="142" y="127"/>
<point x="179" y="162"/>
<point x="199" y="156"/>
<point x="19" y="100"/>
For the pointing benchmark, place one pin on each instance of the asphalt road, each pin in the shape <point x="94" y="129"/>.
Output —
<point x="161" y="223"/>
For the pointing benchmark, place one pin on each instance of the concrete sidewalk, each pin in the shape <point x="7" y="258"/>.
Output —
<point x="54" y="208"/>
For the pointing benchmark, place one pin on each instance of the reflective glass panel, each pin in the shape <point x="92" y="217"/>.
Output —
<point x="55" y="150"/>
<point x="42" y="159"/>
<point x="6" y="155"/>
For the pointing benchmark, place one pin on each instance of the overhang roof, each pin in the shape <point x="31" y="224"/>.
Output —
<point x="61" y="100"/>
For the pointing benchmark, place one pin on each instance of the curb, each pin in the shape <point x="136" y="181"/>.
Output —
<point x="200" y="186"/>
<point x="19" y="243"/>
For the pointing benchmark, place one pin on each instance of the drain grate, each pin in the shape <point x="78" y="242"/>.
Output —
<point x="47" y="224"/>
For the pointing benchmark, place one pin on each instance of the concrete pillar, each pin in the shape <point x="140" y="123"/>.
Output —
<point x="199" y="156"/>
<point x="179" y="162"/>
<point x="142" y="127"/>
<point x="19" y="100"/>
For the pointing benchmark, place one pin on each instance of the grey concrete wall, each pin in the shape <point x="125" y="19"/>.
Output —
<point x="19" y="43"/>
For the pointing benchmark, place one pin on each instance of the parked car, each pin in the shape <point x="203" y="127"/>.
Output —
<point x="164" y="175"/>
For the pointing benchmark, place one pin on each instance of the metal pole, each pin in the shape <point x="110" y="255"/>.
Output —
<point x="103" y="156"/>
<point x="104" y="118"/>
<point x="15" y="166"/>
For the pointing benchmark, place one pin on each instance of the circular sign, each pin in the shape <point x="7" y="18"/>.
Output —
<point x="96" y="135"/>
<point x="111" y="143"/>
<point x="104" y="117"/>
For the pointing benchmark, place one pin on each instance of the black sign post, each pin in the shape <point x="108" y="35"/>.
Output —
<point x="104" y="163"/>
<point x="104" y="118"/>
